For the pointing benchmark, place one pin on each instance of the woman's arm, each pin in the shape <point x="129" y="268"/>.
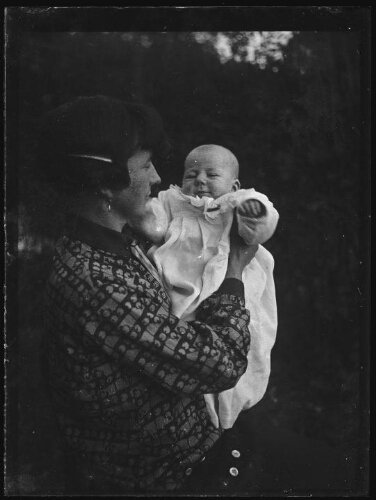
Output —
<point x="132" y="324"/>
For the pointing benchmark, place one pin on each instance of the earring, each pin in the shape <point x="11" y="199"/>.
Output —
<point x="108" y="205"/>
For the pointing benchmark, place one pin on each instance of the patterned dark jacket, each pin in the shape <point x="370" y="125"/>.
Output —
<point x="126" y="377"/>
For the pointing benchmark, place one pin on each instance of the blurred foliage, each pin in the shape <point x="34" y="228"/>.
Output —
<point x="295" y="124"/>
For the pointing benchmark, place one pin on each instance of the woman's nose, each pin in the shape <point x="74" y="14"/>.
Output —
<point x="155" y="177"/>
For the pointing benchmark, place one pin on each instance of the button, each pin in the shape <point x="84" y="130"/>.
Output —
<point x="234" y="471"/>
<point x="188" y="472"/>
<point x="235" y="453"/>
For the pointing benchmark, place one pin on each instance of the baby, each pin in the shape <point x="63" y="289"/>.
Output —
<point x="192" y="225"/>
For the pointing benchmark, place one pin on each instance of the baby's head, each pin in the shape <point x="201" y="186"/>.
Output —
<point x="210" y="170"/>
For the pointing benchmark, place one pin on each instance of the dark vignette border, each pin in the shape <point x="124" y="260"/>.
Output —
<point x="20" y="20"/>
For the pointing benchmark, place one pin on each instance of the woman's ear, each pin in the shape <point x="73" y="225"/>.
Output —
<point x="107" y="196"/>
<point x="235" y="185"/>
<point x="106" y="193"/>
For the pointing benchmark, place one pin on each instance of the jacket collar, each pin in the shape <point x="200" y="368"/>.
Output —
<point x="101" y="237"/>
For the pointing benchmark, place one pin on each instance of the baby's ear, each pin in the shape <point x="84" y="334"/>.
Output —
<point x="236" y="185"/>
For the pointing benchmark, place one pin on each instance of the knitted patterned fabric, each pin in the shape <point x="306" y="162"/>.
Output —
<point x="127" y="377"/>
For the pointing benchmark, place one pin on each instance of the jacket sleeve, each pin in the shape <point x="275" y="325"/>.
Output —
<point x="132" y="325"/>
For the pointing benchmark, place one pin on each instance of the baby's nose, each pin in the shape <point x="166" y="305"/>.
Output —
<point x="200" y="179"/>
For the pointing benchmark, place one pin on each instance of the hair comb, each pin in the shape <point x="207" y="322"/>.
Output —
<point x="92" y="157"/>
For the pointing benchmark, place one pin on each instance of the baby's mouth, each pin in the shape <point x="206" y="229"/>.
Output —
<point x="200" y="194"/>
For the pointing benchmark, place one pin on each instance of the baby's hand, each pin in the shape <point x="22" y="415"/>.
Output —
<point x="252" y="208"/>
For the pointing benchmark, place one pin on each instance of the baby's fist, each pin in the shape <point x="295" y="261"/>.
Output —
<point x="252" y="208"/>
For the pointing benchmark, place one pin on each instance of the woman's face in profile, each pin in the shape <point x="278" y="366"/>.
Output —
<point x="132" y="201"/>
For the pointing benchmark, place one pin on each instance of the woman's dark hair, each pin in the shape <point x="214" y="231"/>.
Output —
<point x="86" y="143"/>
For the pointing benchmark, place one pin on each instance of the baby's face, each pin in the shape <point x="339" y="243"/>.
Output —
<point x="206" y="176"/>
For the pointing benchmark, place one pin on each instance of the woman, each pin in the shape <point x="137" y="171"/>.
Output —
<point x="126" y="376"/>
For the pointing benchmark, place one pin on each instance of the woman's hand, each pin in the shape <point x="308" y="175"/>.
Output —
<point x="240" y="253"/>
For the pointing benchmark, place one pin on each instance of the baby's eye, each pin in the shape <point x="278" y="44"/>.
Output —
<point x="212" y="175"/>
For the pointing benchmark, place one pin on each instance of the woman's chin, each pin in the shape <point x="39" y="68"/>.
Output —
<point x="150" y="231"/>
<point x="152" y="223"/>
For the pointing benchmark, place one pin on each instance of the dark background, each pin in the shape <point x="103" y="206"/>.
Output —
<point x="299" y="125"/>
